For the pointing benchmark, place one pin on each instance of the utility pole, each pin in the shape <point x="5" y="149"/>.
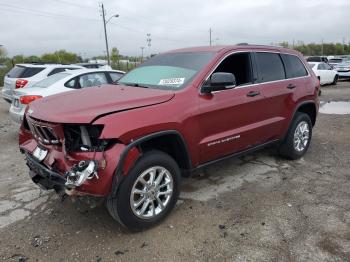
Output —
<point x="142" y="47"/>
<point x="210" y="36"/>
<point x="104" y="27"/>
<point x="322" y="48"/>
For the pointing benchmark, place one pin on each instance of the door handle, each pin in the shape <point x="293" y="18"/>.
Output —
<point x="291" y="86"/>
<point x="253" y="93"/>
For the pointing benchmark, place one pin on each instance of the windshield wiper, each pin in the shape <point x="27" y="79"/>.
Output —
<point x="136" y="85"/>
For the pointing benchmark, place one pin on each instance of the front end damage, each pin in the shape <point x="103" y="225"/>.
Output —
<point x="70" y="158"/>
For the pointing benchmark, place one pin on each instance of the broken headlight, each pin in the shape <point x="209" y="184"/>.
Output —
<point x="85" y="138"/>
<point x="80" y="173"/>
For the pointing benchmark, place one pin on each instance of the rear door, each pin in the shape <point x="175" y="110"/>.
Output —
<point x="282" y="79"/>
<point x="277" y="91"/>
<point x="330" y="73"/>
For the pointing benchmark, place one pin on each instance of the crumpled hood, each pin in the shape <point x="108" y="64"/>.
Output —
<point x="83" y="106"/>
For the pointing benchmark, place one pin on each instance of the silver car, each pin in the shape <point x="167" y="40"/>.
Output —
<point x="25" y="75"/>
<point x="58" y="83"/>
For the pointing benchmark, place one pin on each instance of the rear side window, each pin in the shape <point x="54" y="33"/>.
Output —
<point x="71" y="83"/>
<point x="16" y="72"/>
<point x="24" y="72"/>
<point x="56" y="70"/>
<point x="61" y="69"/>
<point x="321" y="67"/>
<point x="294" y="67"/>
<point x="270" y="67"/>
<point x="51" y="80"/>
<point x="115" y="76"/>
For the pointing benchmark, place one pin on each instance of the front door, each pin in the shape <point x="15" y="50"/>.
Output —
<point x="230" y="120"/>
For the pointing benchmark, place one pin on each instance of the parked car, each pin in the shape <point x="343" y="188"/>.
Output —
<point x="25" y="75"/>
<point x="317" y="59"/>
<point x="343" y="69"/>
<point x="325" y="73"/>
<point x="59" y="83"/>
<point x="95" y="65"/>
<point x="177" y="112"/>
<point x="337" y="60"/>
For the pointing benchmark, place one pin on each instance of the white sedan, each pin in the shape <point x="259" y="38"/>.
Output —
<point x="59" y="83"/>
<point x="325" y="73"/>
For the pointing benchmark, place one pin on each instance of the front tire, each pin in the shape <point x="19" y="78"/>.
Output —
<point x="298" y="138"/>
<point x="148" y="193"/>
<point x="335" y="80"/>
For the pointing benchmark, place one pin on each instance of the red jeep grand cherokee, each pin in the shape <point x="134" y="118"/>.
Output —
<point x="133" y="141"/>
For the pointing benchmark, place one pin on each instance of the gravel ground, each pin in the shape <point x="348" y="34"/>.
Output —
<point x="255" y="208"/>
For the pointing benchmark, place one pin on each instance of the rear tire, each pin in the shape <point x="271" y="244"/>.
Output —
<point x="336" y="77"/>
<point x="143" y="201"/>
<point x="298" y="138"/>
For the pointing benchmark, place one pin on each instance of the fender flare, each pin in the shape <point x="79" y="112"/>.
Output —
<point x="296" y="110"/>
<point x="117" y="177"/>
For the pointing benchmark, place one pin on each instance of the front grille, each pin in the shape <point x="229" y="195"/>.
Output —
<point x="43" y="131"/>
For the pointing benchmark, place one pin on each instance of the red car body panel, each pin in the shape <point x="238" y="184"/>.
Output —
<point x="212" y="125"/>
<point x="84" y="105"/>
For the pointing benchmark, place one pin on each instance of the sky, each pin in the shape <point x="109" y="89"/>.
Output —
<point x="39" y="26"/>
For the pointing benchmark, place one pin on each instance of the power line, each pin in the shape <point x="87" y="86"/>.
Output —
<point x="16" y="9"/>
<point x="13" y="8"/>
<point x="73" y="4"/>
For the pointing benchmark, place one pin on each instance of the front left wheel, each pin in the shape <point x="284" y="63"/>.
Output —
<point x="148" y="193"/>
<point x="335" y="80"/>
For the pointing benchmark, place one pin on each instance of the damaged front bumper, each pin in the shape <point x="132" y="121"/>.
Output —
<point x="79" y="173"/>
<point x="44" y="177"/>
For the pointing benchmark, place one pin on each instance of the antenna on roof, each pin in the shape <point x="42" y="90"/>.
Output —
<point x="242" y="44"/>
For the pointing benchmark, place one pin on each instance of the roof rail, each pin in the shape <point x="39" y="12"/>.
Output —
<point x="246" y="44"/>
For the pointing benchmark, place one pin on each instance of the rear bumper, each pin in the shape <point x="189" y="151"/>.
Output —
<point x="6" y="95"/>
<point x="344" y="74"/>
<point x="16" y="115"/>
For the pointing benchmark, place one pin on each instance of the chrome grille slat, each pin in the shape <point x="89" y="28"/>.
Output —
<point x="43" y="132"/>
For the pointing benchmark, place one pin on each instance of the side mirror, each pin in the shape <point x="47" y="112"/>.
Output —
<point x="219" y="81"/>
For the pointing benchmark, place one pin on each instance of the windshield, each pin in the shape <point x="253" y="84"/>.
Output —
<point x="51" y="80"/>
<point x="171" y="71"/>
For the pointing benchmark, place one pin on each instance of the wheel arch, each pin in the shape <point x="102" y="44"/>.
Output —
<point x="309" y="108"/>
<point x="165" y="141"/>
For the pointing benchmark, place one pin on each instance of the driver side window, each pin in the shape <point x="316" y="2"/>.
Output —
<point x="240" y="66"/>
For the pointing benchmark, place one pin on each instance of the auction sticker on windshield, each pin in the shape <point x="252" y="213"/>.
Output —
<point x="172" y="81"/>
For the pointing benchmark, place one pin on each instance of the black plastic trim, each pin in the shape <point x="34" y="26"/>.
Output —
<point x="118" y="173"/>
<point x="296" y="110"/>
<point x="237" y="154"/>
<point x="43" y="176"/>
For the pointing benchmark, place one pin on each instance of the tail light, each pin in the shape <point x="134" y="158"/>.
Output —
<point x="25" y="100"/>
<point x="21" y="83"/>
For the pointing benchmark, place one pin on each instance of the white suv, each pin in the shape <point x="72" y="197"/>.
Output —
<point x="25" y="75"/>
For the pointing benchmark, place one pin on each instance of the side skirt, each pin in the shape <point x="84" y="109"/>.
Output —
<point x="237" y="154"/>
